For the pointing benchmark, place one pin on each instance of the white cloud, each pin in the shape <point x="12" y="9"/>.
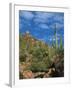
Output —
<point x="59" y="18"/>
<point x="39" y="20"/>
<point x="59" y="25"/>
<point x="42" y="17"/>
<point x="26" y="14"/>
<point x="56" y="25"/>
<point x="43" y="26"/>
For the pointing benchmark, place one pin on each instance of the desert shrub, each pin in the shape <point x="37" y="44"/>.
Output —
<point x="42" y="55"/>
<point x="20" y="75"/>
<point x="22" y="58"/>
<point x="38" y="66"/>
<point x="59" y="69"/>
<point x="22" y="55"/>
<point x="40" y="59"/>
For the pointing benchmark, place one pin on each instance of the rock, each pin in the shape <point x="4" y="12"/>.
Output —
<point x="51" y="70"/>
<point x="39" y="74"/>
<point x="49" y="73"/>
<point x="27" y="74"/>
<point x="46" y="75"/>
<point x="23" y="66"/>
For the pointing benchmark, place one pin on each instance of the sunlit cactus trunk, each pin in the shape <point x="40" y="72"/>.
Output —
<point x="61" y="44"/>
<point x="56" y="41"/>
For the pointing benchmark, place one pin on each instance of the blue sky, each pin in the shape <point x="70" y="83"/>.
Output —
<point x="41" y="24"/>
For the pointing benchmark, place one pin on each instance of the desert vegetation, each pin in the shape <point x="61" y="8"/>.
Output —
<point x="37" y="59"/>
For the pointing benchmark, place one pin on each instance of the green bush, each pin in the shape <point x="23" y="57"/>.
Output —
<point x="38" y="67"/>
<point x="40" y="55"/>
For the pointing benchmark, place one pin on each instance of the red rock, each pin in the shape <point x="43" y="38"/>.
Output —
<point x="27" y="74"/>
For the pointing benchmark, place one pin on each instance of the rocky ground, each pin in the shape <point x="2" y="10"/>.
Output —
<point x="53" y="71"/>
<point x="29" y="74"/>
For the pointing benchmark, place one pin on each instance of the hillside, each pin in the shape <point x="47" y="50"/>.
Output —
<point x="39" y="60"/>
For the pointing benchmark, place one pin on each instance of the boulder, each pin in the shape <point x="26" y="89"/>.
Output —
<point x="27" y="74"/>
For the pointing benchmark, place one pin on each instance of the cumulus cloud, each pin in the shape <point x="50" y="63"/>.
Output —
<point x="59" y="18"/>
<point x="42" y="17"/>
<point x="39" y="20"/>
<point x="43" y="26"/>
<point x="26" y="14"/>
<point x="57" y="25"/>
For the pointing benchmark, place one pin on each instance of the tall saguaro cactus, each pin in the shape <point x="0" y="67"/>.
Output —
<point x="55" y="33"/>
<point x="61" y="44"/>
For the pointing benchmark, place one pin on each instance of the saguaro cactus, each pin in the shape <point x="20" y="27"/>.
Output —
<point x="61" y="44"/>
<point x="55" y="34"/>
